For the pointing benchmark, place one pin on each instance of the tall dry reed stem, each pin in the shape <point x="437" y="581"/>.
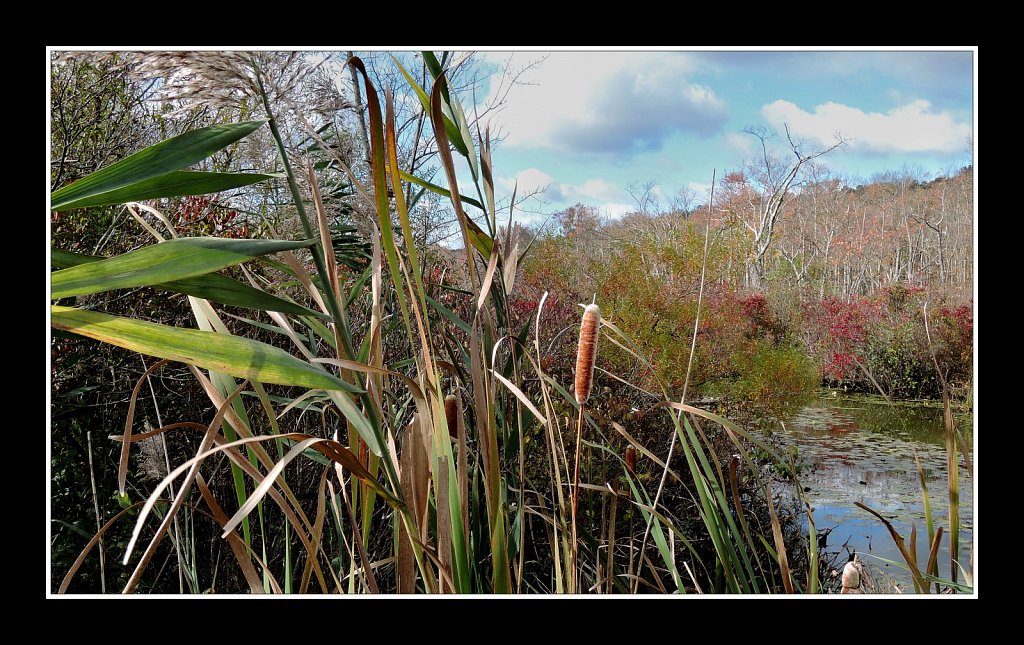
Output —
<point x="689" y="366"/>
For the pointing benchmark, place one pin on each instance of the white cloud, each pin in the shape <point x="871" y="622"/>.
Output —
<point x="591" y="190"/>
<point x="615" y="210"/>
<point x="700" y="191"/>
<point x="608" y="198"/>
<point x="524" y="182"/>
<point x="608" y="102"/>
<point x="913" y="127"/>
<point x="740" y="143"/>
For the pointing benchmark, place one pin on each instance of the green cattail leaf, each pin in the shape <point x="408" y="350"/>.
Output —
<point x="212" y="286"/>
<point x="451" y="127"/>
<point x="434" y="188"/>
<point x="435" y="68"/>
<point x="454" y="133"/>
<point x="234" y="355"/>
<point x="169" y="261"/>
<point x="420" y="92"/>
<point x="174" y="184"/>
<point x="176" y="153"/>
<point x="449" y="314"/>
<point x="466" y="135"/>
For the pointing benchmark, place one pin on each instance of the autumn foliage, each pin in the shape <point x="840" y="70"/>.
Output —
<point x="835" y="308"/>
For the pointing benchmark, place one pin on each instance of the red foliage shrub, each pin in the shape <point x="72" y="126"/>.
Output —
<point x="954" y="334"/>
<point x="836" y="332"/>
<point x="763" y="323"/>
<point x="885" y="334"/>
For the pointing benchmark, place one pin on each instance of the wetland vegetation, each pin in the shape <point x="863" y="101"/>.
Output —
<point x="269" y="374"/>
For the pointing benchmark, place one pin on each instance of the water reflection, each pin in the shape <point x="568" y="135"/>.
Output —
<point x="862" y="451"/>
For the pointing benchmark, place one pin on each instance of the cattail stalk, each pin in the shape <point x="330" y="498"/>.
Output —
<point x="457" y="430"/>
<point x="586" y="355"/>
<point x="631" y="469"/>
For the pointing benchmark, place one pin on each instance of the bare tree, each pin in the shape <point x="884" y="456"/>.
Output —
<point x="773" y="177"/>
<point x="682" y="202"/>
<point x="645" y="195"/>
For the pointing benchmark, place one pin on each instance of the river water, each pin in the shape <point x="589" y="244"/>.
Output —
<point x="862" y="450"/>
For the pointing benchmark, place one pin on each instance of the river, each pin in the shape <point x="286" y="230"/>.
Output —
<point x="859" y="449"/>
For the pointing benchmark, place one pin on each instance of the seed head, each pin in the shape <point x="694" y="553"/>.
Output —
<point x="631" y="460"/>
<point x="587" y="352"/>
<point x="451" y="413"/>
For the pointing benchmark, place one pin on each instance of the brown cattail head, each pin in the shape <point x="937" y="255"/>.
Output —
<point x="451" y="414"/>
<point x="587" y="352"/>
<point x="631" y="460"/>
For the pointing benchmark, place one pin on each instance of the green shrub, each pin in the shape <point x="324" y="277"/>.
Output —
<point x="774" y="378"/>
<point x="899" y="360"/>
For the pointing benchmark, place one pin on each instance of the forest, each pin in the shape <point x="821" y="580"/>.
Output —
<point x="301" y="341"/>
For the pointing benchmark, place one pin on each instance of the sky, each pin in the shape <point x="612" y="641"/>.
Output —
<point x="582" y="126"/>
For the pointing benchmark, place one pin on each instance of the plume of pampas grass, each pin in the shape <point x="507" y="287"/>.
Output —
<point x="214" y="78"/>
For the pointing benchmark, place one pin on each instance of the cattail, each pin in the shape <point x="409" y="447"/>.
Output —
<point x="451" y="413"/>
<point x="587" y="352"/>
<point x="631" y="460"/>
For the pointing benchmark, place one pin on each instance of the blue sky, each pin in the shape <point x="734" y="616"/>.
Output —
<point x="588" y="124"/>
